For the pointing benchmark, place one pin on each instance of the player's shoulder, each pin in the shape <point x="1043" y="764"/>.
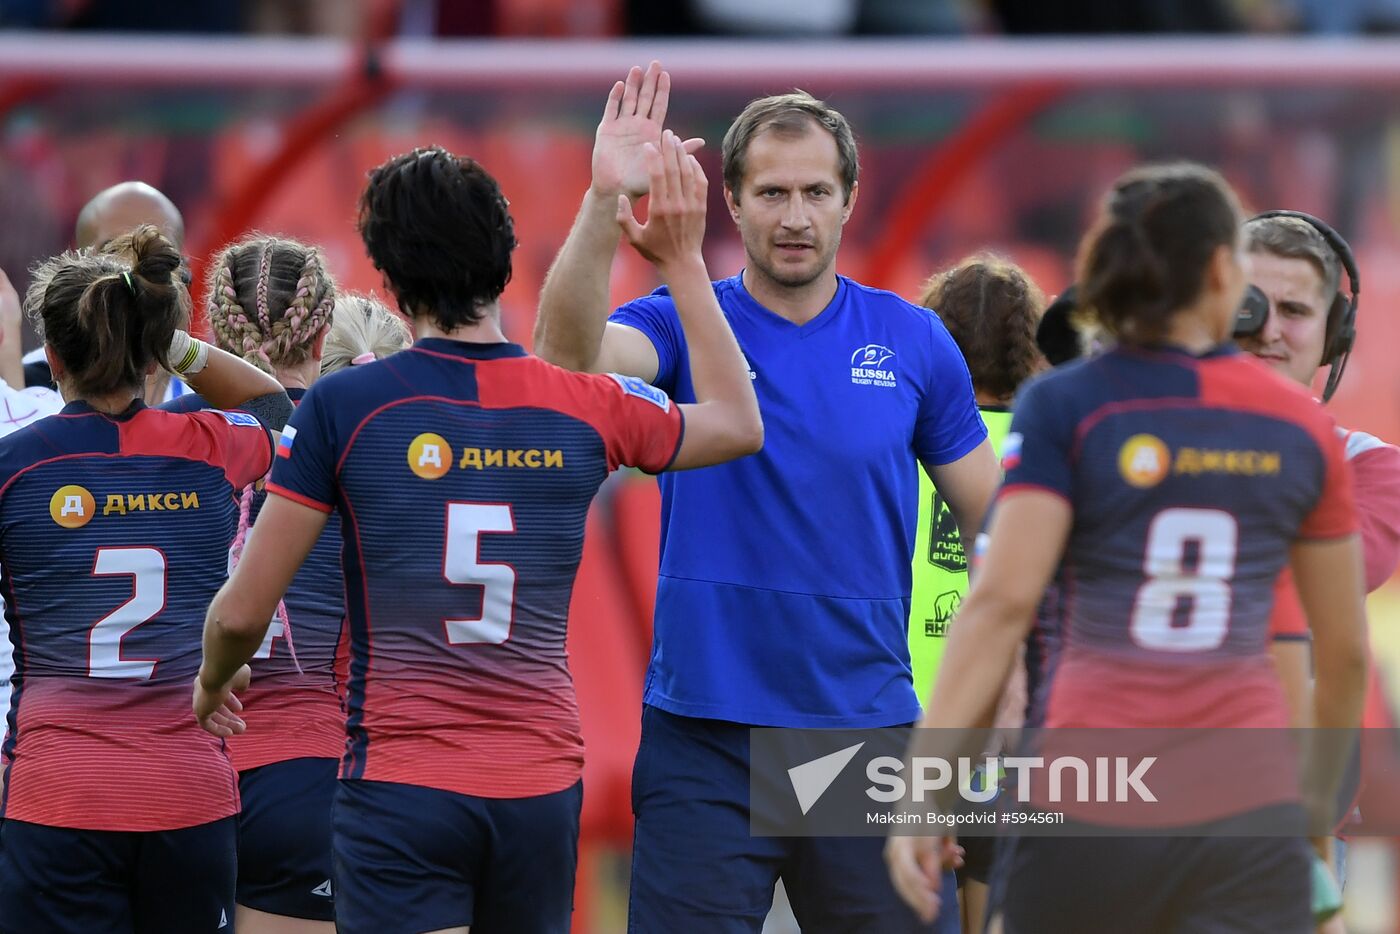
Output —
<point x="218" y="419"/>
<point x="1077" y="384"/>
<point x="661" y="299"/>
<point x="1072" y="397"/>
<point x="185" y="402"/>
<point x="355" y="391"/>
<point x="52" y="438"/>
<point x="1249" y="381"/>
<point x="569" y="386"/>
<point x="1364" y="444"/>
<point x="885" y="302"/>
<point x="729" y="290"/>
<point x="1241" y="380"/>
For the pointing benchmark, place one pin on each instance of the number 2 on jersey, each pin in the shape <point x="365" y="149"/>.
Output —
<point x="1205" y="586"/>
<point x="462" y="564"/>
<point x="146" y="568"/>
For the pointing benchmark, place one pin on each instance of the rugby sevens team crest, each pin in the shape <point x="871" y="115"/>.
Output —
<point x="873" y="365"/>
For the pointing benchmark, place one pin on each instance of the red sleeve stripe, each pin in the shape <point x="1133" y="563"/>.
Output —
<point x="680" y="439"/>
<point x="541" y="385"/>
<point x="298" y="498"/>
<point x="200" y="436"/>
<point x="1011" y="488"/>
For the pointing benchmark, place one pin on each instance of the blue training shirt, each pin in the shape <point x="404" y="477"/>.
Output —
<point x="784" y="591"/>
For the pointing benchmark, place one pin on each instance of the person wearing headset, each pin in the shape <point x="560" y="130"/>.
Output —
<point x="1298" y="261"/>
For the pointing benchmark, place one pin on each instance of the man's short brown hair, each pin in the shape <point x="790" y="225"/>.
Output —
<point x="792" y="115"/>
<point x="1295" y="238"/>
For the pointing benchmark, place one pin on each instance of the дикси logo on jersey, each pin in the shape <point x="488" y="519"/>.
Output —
<point x="429" y="456"/>
<point x="1144" y="460"/>
<point x="72" y="506"/>
<point x="873" y="365"/>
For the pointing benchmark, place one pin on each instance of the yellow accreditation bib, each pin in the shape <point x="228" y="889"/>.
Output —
<point x="940" y="568"/>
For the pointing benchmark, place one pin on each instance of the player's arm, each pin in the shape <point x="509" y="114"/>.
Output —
<point x="1293" y="662"/>
<point x="1292" y="654"/>
<point x="724" y="422"/>
<point x="1027" y="537"/>
<point x="238" y="618"/>
<point x="572" y="328"/>
<point x="950" y="437"/>
<point x="1377" y="475"/>
<point x="967" y="486"/>
<point x="229" y="382"/>
<point x="11" y="335"/>
<point x="1330" y="585"/>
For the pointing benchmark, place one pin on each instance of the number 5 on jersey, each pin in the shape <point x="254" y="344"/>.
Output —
<point x="462" y="564"/>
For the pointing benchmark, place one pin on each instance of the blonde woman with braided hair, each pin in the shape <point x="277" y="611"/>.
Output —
<point x="271" y="302"/>
<point x="363" y="331"/>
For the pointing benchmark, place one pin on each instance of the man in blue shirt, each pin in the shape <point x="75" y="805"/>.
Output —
<point x="785" y="576"/>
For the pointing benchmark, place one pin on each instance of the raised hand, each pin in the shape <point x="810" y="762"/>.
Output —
<point x="633" y="116"/>
<point x="675" y="227"/>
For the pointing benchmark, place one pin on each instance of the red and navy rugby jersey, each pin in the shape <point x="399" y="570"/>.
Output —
<point x="114" y="538"/>
<point x="463" y="474"/>
<point x="1189" y="477"/>
<point x="293" y="704"/>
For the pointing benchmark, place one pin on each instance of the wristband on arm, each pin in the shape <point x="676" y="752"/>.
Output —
<point x="187" y="355"/>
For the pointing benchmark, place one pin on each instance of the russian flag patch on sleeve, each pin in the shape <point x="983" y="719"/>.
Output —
<point x="1011" y="451"/>
<point x="284" y="443"/>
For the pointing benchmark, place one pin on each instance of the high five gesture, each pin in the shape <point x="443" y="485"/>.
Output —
<point x="633" y="117"/>
<point x="675" y="227"/>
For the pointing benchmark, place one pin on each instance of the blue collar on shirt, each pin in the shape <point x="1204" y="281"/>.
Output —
<point x="79" y="407"/>
<point x="1227" y="349"/>
<point x="821" y="318"/>
<point x="470" y="349"/>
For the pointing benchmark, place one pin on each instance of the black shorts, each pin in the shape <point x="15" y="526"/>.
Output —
<point x="698" y="866"/>
<point x="58" y="880"/>
<point x="1153" y="885"/>
<point x="284" y="838"/>
<point x="411" y="859"/>
<point x="979" y="854"/>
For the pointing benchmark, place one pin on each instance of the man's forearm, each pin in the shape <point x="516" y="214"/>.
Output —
<point x="574" y="300"/>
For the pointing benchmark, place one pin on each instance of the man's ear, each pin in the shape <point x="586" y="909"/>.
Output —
<point x="731" y="202"/>
<point x="850" y="202"/>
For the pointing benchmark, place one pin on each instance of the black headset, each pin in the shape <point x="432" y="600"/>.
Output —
<point x="1341" y="316"/>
